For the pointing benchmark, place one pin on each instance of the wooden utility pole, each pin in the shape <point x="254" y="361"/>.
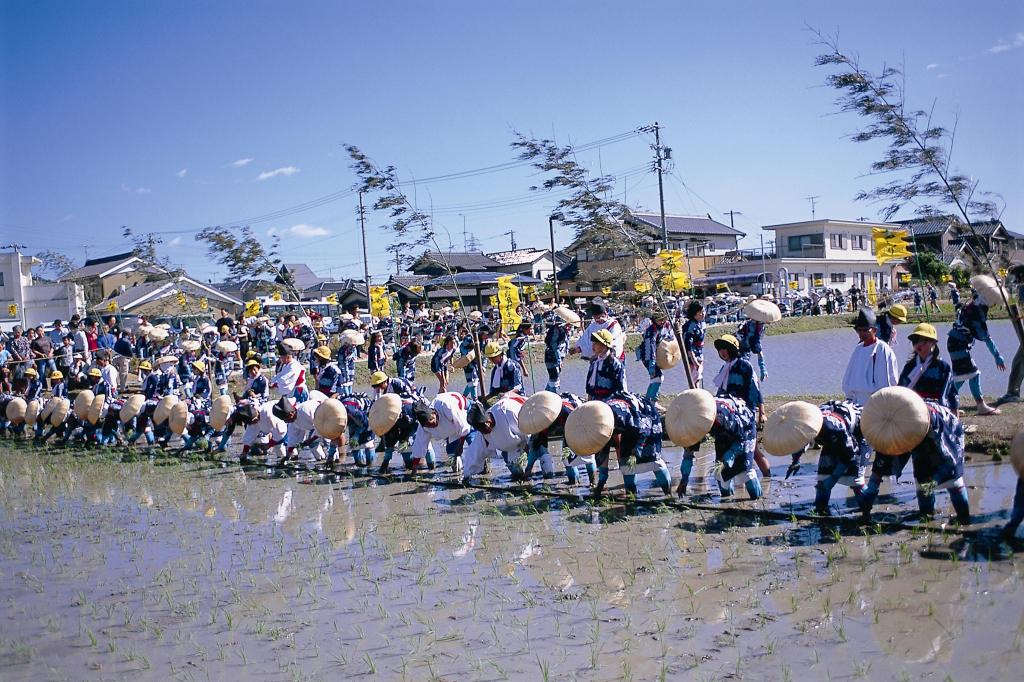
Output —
<point x="366" y="263"/>
<point x="660" y="154"/>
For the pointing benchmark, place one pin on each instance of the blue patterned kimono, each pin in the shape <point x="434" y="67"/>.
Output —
<point x="935" y="383"/>
<point x="516" y="347"/>
<point x="735" y="434"/>
<point x="151" y="386"/>
<point x="201" y="388"/>
<point x="740" y="383"/>
<point x="844" y="452"/>
<point x="605" y="377"/>
<point x="406" y="364"/>
<point x="638" y="425"/>
<point x="465" y="346"/>
<point x="556" y="347"/>
<point x="328" y="379"/>
<point x="360" y="437"/>
<point x="693" y="338"/>
<point x="35" y="387"/>
<point x="60" y="389"/>
<point x="442" y="356"/>
<point x="510" y="379"/>
<point x="168" y="384"/>
<point x="970" y="326"/>
<point x="647" y="351"/>
<point x="749" y="335"/>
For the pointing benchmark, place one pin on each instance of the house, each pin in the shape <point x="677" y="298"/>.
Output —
<point x="348" y="292"/>
<point x="435" y="264"/>
<point x="299" y="275"/>
<point x="954" y="242"/>
<point x="102" y="277"/>
<point x="27" y="303"/>
<point x="704" y="241"/>
<point x="835" y="254"/>
<point x="408" y="288"/>
<point x="163" y="299"/>
<point x="537" y="263"/>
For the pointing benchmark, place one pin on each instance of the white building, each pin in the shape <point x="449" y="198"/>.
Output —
<point x="833" y="254"/>
<point x="532" y="262"/>
<point x="31" y="303"/>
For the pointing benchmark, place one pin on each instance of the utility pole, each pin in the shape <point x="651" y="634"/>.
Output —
<point x="814" y="201"/>
<point x="732" y="222"/>
<point x="512" y="233"/>
<point x="366" y="263"/>
<point x="660" y="154"/>
<point x="554" y="261"/>
<point x="397" y="270"/>
<point x="465" y="246"/>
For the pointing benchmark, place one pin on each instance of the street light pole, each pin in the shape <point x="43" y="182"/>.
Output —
<point x="554" y="260"/>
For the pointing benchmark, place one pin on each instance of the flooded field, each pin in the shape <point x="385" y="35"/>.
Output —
<point x="160" y="570"/>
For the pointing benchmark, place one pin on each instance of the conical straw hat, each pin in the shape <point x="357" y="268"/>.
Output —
<point x="463" y="361"/>
<point x="219" y="411"/>
<point x="294" y="345"/>
<point x="96" y="408"/>
<point x="352" y="337"/>
<point x="690" y="417"/>
<point x="762" y="311"/>
<point x="384" y="413"/>
<point x="668" y="354"/>
<point x="16" y="410"/>
<point x="82" y="403"/>
<point x="32" y="412"/>
<point x="60" y="411"/>
<point x="567" y="315"/>
<point x="47" y="410"/>
<point x="791" y="427"/>
<point x="539" y="412"/>
<point x="988" y="290"/>
<point x="589" y="427"/>
<point x="166" y="360"/>
<point x="131" y="408"/>
<point x="156" y="333"/>
<point x="178" y="419"/>
<point x="330" y="419"/>
<point x="190" y="345"/>
<point x="227" y="346"/>
<point x="163" y="409"/>
<point x="1017" y="453"/>
<point x="895" y="420"/>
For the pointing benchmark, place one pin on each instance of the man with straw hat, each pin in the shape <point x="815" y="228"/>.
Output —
<point x="872" y="365"/>
<point x="659" y="330"/>
<point x="264" y="429"/>
<point x="696" y="413"/>
<point x="926" y="373"/>
<point x="556" y="343"/>
<point x="835" y="428"/>
<point x="606" y="375"/>
<point x="897" y="421"/>
<point x="543" y="417"/>
<point x="970" y="326"/>
<point x="602" y="321"/>
<point x="329" y="374"/>
<point x="505" y="374"/>
<point x="495" y="431"/>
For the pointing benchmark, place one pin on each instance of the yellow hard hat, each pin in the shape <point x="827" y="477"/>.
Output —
<point x="378" y="378"/>
<point x="56" y="374"/>
<point x="493" y="349"/>
<point x="899" y="312"/>
<point x="924" y="331"/>
<point x="95" y="372"/>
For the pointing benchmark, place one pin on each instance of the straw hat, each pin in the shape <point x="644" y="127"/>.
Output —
<point x="463" y="360"/>
<point x="493" y="349"/>
<point x="156" y="334"/>
<point x="762" y="311"/>
<point x="668" y="354"/>
<point x="190" y="345"/>
<point x="589" y="427"/>
<point x="131" y="408"/>
<point x="199" y="366"/>
<point x="56" y="374"/>
<point x="567" y="315"/>
<point x="60" y="411"/>
<point x="539" y="412"/>
<point x="727" y="340"/>
<point x="925" y="331"/>
<point x="690" y="417"/>
<point x="384" y="413"/>
<point x="330" y="419"/>
<point x="323" y="352"/>
<point x="163" y="409"/>
<point x="44" y="414"/>
<point x="378" y="377"/>
<point x="95" y="372"/>
<point x="988" y="290"/>
<point x="82" y="402"/>
<point x="31" y="412"/>
<point x="476" y="316"/>
<point x="219" y="411"/>
<point x="895" y="420"/>
<point x="1017" y="453"/>
<point x="167" y="360"/>
<point x="145" y="364"/>
<point x="790" y="428"/>
<point x="164" y="325"/>
<point x="178" y="418"/>
<point x="252" y="363"/>
<point x="603" y="337"/>
<point x="208" y="329"/>
<point x="352" y="337"/>
<point x="346" y="317"/>
<point x="899" y="313"/>
<point x="16" y="410"/>
<point x="227" y="346"/>
<point x="96" y="408"/>
<point x="294" y="345"/>
<point x="31" y="372"/>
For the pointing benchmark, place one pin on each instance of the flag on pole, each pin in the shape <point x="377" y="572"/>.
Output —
<point x="252" y="308"/>
<point x="890" y="244"/>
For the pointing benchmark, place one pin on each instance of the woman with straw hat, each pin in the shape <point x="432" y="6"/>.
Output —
<point x="606" y="375"/>
<point x="657" y="331"/>
<point x="391" y="419"/>
<point x="926" y="373"/>
<point x="970" y="326"/>
<point x="543" y="418"/>
<point x="441" y="362"/>
<point x="329" y="374"/>
<point x="290" y="379"/>
<point x="887" y="322"/>
<point x="405" y="360"/>
<point x="360" y="436"/>
<point x="466" y="346"/>
<point x="556" y="343"/>
<point x="382" y="384"/>
<point x="760" y="313"/>
<point x="835" y="428"/>
<point x="693" y="415"/>
<point x="201" y="387"/>
<point x="351" y="341"/>
<point x="897" y="421"/>
<point x="257" y="388"/>
<point x="736" y="378"/>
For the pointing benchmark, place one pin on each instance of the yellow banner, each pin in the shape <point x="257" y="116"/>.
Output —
<point x="675" y="281"/>
<point x="332" y="299"/>
<point x="890" y="244"/>
<point x="641" y="287"/>
<point x="606" y="290"/>
<point x="794" y="284"/>
<point x="721" y="286"/>
<point x="380" y="303"/>
<point x="204" y="305"/>
<point x="904" y="276"/>
<point x="252" y="308"/>
<point x="819" y="282"/>
<point x="508" y="304"/>
<point x="112" y="307"/>
<point x="455" y="305"/>
<point x="671" y="260"/>
<point x="275" y="296"/>
<point x="182" y="301"/>
<point x="12" y="309"/>
<point x="872" y="293"/>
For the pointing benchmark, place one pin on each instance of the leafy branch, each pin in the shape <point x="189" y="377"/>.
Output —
<point x="241" y="254"/>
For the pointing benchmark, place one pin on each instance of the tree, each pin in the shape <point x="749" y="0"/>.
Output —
<point x="928" y="266"/>
<point x="244" y="256"/>
<point x="918" y="151"/>
<point x="54" y="265"/>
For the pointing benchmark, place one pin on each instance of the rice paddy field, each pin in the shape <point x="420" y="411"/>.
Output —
<point x="120" y="565"/>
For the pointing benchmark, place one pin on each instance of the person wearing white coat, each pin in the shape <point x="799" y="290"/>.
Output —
<point x="443" y="419"/>
<point x="496" y="431"/>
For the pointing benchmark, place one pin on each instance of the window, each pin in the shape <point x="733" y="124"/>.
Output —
<point x="858" y="242"/>
<point x="838" y="278"/>
<point x="799" y="242"/>
<point x="837" y="241"/>
<point x="582" y="255"/>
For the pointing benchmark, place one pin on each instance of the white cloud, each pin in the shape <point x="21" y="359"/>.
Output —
<point x="943" y="75"/>
<point x="932" y="66"/>
<point x="238" y="163"/>
<point x="175" y="242"/>
<point x="305" y="231"/>
<point x="135" y="190"/>
<point x="182" y="173"/>
<point x="284" y="170"/>
<point x="1003" y="46"/>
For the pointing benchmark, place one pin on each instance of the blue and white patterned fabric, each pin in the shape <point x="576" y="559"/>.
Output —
<point x="740" y="383"/>
<point x="933" y="381"/>
<point x="693" y="338"/>
<point x="605" y="376"/>
<point x="970" y="326"/>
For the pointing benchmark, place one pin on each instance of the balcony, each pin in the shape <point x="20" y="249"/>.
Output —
<point x="806" y="251"/>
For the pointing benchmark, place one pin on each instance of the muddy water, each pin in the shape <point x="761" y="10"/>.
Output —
<point x="798" y="364"/>
<point x="112" y="571"/>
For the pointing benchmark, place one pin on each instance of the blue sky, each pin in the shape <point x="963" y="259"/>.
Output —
<point x="171" y="116"/>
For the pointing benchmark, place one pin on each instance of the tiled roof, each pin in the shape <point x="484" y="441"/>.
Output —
<point x="686" y="224"/>
<point x="478" y="279"/>
<point x="519" y="256"/>
<point x="341" y="285"/>
<point x="921" y="227"/>
<point x="152" y="291"/>
<point x="465" y="260"/>
<point x="97" y="266"/>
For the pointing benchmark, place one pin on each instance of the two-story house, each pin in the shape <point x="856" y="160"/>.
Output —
<point x="103" y="277"/>
<point x="834" y="254"/>
<point x="26" y="302"/>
